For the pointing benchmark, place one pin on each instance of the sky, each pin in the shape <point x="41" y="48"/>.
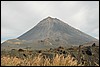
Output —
<point x="17" y="17"/>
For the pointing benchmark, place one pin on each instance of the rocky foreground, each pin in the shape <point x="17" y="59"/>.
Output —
<point x="83" y="55"/>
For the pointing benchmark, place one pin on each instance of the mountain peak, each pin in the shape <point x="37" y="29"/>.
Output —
<point x="49" y="18"/>
<point x="51" y="32"/>
<point x="57" y="31"/>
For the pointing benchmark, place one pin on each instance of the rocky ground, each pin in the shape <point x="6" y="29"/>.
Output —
<point x="87" y="55"/>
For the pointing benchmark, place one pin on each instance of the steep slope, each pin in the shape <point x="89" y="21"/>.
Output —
<point x="56" y="30"/>
<point x="50" y="32"/>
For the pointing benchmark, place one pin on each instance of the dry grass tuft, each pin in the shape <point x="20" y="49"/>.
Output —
<point x="40" y="60"/>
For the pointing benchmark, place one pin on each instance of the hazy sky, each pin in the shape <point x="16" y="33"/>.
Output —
<point x="17" y="17"/>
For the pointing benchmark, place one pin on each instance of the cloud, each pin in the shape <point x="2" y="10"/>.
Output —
<point x="17" y="17"/>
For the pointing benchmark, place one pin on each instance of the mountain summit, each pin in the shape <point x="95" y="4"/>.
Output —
<point x="56" y="30"/>
<point x="53" y="32"/>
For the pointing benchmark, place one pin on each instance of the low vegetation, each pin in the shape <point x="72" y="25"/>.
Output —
<point x="40" y="60"/>
<point x="74" y="56"/>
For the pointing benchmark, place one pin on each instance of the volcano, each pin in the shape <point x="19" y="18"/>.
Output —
<point x="50" y="32"/>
